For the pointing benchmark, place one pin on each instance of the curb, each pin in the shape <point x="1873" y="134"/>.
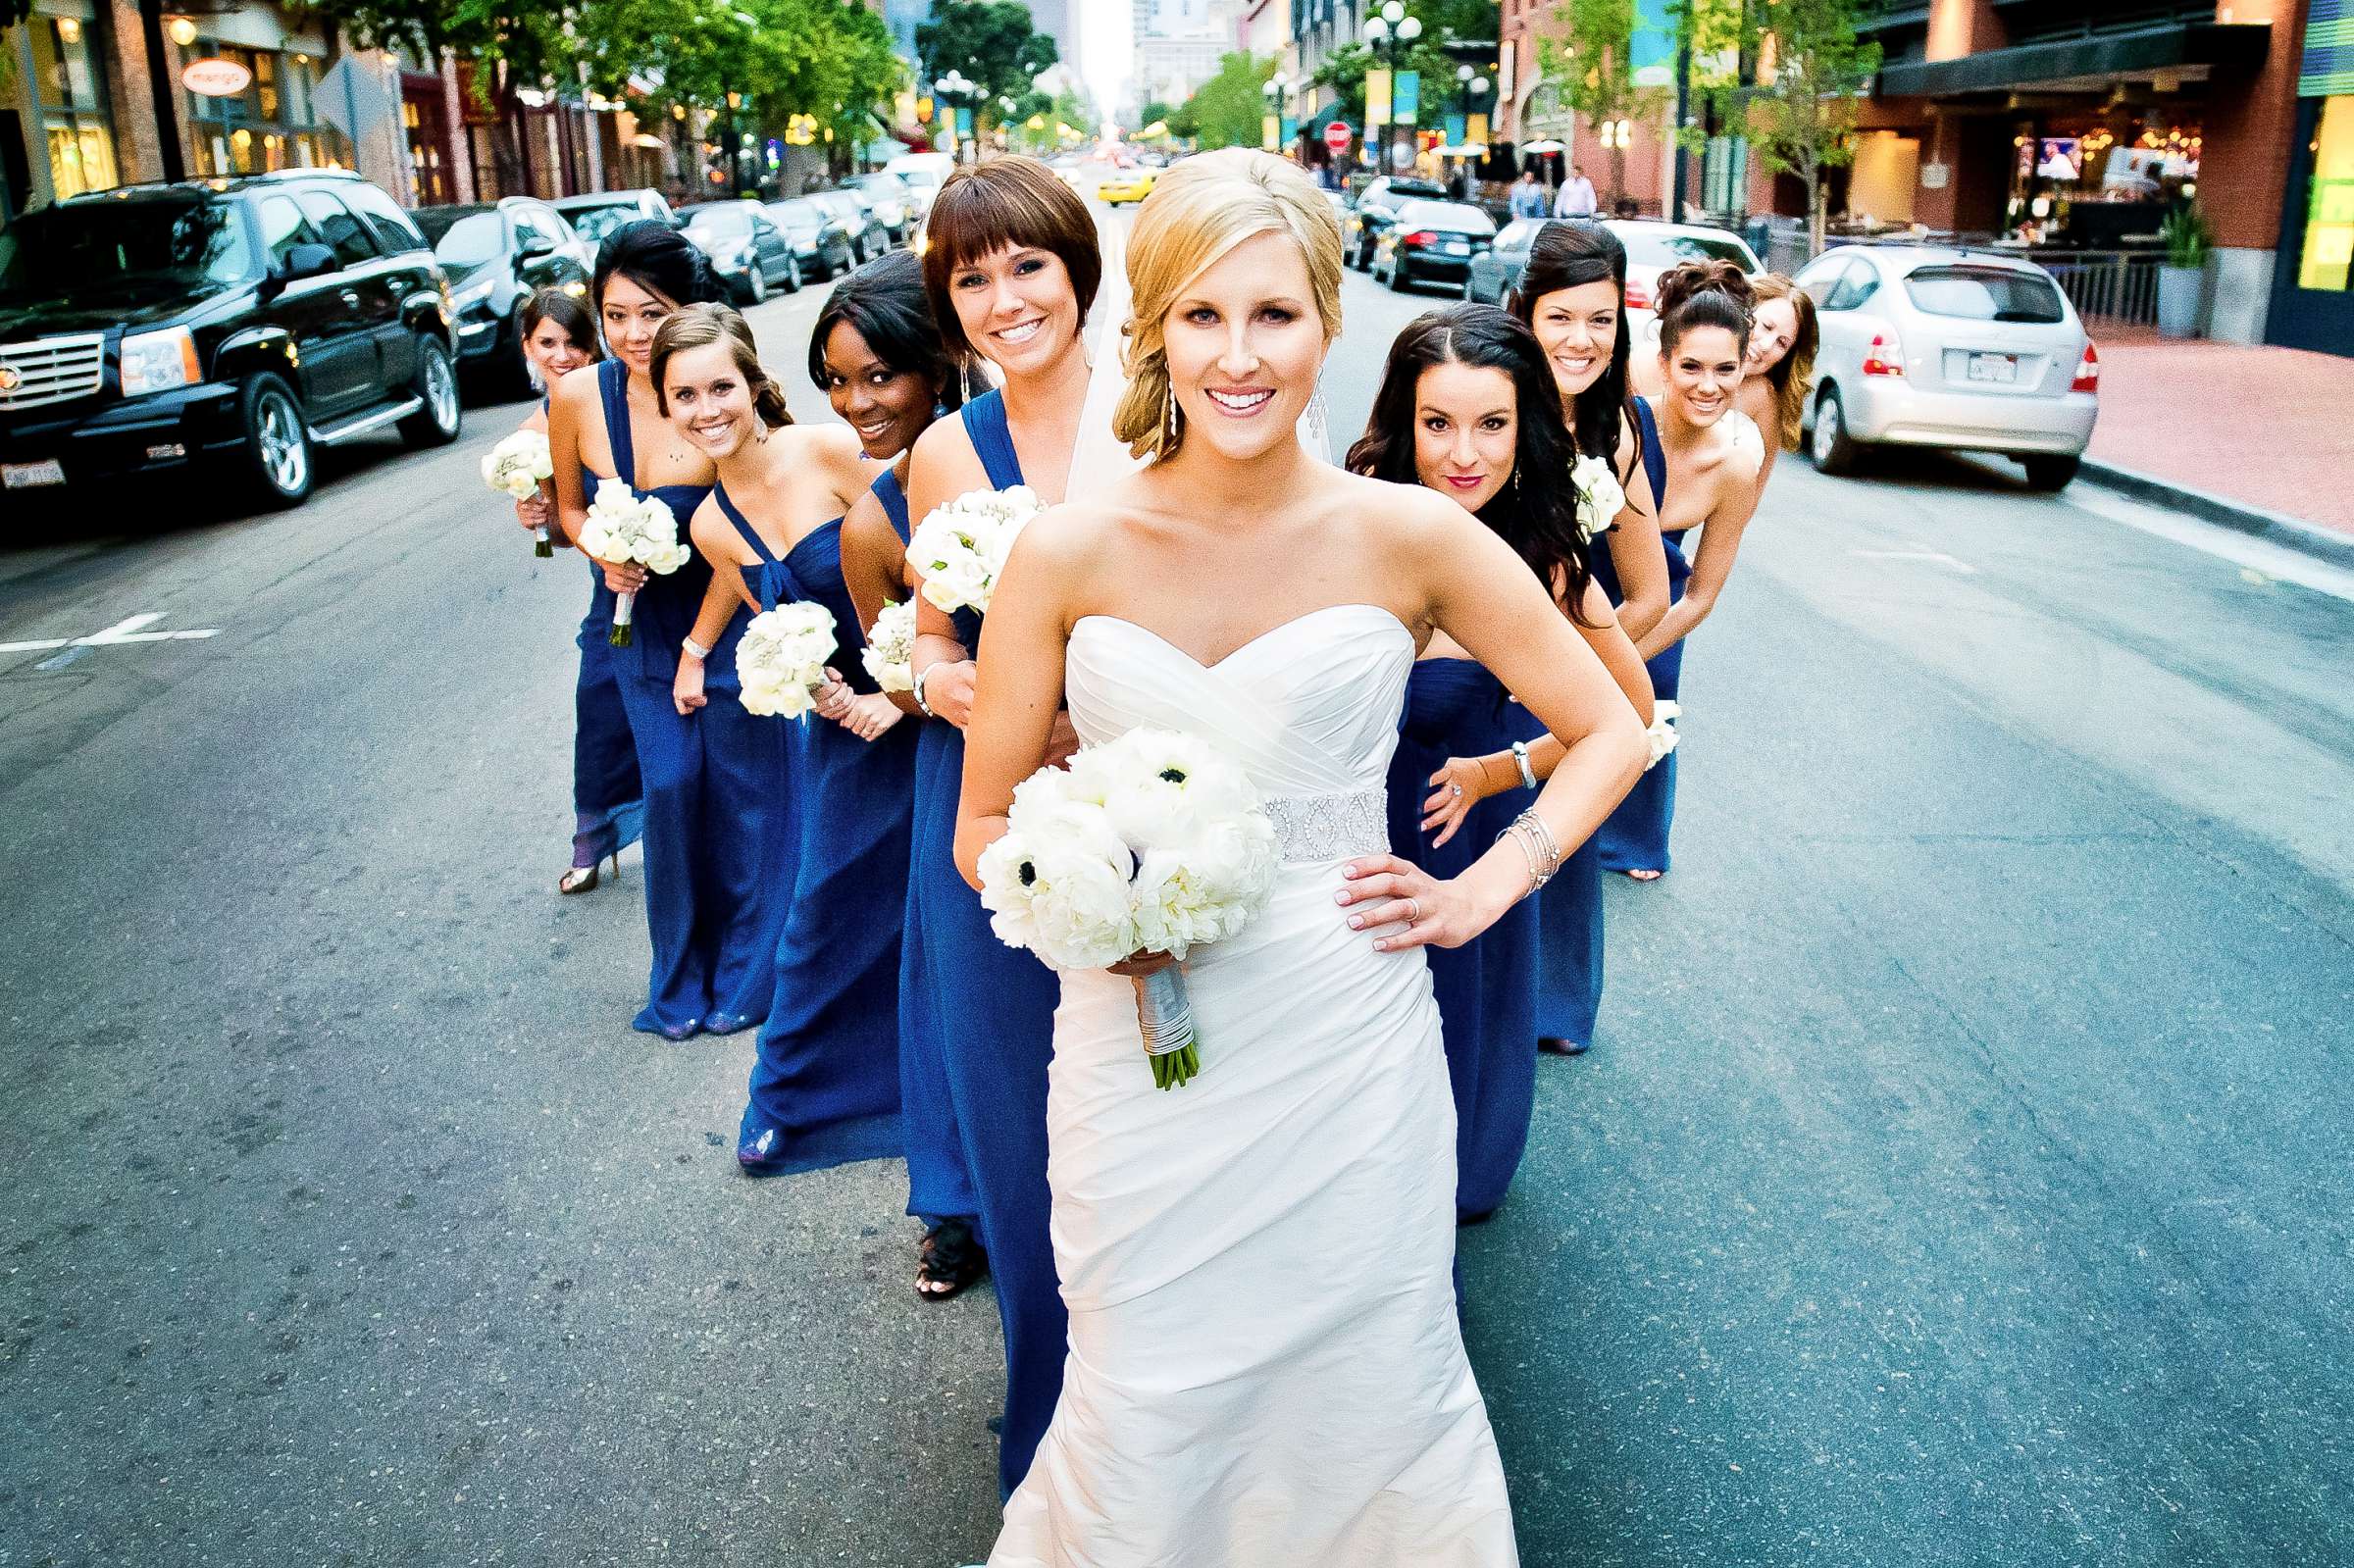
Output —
<point x="2273" y="528"/>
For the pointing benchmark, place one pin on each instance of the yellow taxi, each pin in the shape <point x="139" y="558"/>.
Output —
<point x="1134" y="186"/>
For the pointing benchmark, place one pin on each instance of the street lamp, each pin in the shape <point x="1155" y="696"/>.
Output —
<point x="1391" y="34"/>
<point x="961" y="95"/>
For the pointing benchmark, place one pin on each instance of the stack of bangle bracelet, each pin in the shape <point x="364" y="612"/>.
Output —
<point x="1536" y="843"/>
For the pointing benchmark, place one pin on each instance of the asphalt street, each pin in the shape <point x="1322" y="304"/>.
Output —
<point x="1961" y="1175"/>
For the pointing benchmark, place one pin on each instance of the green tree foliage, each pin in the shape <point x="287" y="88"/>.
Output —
<point x="1445" y="22"/>
<point x="1813" y="74"/>
<point x="1230" y="108"/>
<point x="991" y="42"/>
<point x="1589" y="66"/>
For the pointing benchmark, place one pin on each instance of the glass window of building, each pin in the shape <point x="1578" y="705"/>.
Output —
<point x="271" y="124"/>
<point x="2328" y="257"/>
<point x="70" y="100"/>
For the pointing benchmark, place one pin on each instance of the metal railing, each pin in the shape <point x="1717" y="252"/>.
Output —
<point x="2108" y="288"/>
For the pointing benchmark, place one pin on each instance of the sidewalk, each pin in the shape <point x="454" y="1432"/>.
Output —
<point x="2242" y="435"/>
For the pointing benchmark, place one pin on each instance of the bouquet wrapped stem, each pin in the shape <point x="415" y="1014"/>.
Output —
<point x="542" y="546"/>
<point x="1166" y="1013"/>
<point x="624" y="606"/>
<point x="625" y="526"/>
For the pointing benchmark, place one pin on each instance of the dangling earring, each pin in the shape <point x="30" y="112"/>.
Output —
<point x="1169" y="393"/>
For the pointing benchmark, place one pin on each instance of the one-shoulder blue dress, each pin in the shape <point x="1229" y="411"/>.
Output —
<point x="824" y="1084"/>
<point x="1635" y="837"/>
<point x="940" y="1186"/>
<point x="715" y="821"/>
<point x="1002" y="1001"/>
<point x="609" y="803"/>
<point x="1487" y="989"/>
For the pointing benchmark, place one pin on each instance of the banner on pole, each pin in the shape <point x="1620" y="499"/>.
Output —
<point x="1409" y="96"/>
<point x="1377" y="97"/>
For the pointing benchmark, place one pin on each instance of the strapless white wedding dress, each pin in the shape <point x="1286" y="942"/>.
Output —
<point x="1266" y="1369"/>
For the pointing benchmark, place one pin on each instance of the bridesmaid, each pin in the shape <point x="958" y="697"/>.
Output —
<point x="1711" y="459"/>
<point x="709" y="912"/>
<point x="1573" y="297"/>
<point x="608" y="810"/>
<point x="1012" y="269"/>
<point x="877" y="355"/>
<point x="1467" y="407"/>
<point x="824" y="1084"/>
<point x="1779" y="370"/>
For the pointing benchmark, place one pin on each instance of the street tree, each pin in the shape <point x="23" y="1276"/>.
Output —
<point x="1811" y="77"/>
<point x="1229" y="109"/>
<point x="1593" y="71"/>
<point x="1447" y="24"/>
<point x="991" y="42"/>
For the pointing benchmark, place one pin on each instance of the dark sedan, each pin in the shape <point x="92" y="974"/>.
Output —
<point x="1376" y="208"/>
<point x="748" y="251"/>
<point x="821" y="242"/>
<point x="497" y="255"/>
<point x="1431" y="242"/>
<point x="869" y="238"/>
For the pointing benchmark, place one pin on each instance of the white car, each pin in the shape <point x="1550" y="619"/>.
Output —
<point x="1654" y="247"/>
<point x="923" y="173"/>
<point x="1968" y="350"/>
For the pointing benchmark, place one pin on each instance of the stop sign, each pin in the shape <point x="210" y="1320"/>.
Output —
<point x="1338" y="137"/>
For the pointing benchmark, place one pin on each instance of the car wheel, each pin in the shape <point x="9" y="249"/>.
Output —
<point x="755" y="284"/>
<point x="1833" y="449"/>
<point x="1400" y="277"/>
<point x="793" y="275"/>
<point x="2047" y="472"/>
<point x="275" y="457"/>
<point x="435" y="423"/>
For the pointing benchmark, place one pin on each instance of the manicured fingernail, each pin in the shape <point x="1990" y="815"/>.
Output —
<point x="1341" y="897"/>
<point x="1356" y="922"/>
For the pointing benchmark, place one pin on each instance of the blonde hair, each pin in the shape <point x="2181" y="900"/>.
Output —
<point x="1201" y="209"/>
<point x="700" y="326"/>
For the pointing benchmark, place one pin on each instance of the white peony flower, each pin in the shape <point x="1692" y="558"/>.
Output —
<point x="1057" y="884"/>
<point x="1661" y="733"/>
<point x="516" y="466"/>
<point x="623" y="526"/>
<point x="960" y="548"/>
<point x="890" y="651"/>
<point x="782" y="657"/>
<point x="1599" y="495"/>
<point x="1162" y="787"/>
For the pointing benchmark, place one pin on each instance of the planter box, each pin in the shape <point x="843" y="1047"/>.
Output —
<point x="2182" y="301"/>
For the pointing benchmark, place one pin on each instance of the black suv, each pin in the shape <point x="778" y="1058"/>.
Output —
<point x="497" y="255"/>
<point x="235" y="324"/>
<point x="1376" y="208"/>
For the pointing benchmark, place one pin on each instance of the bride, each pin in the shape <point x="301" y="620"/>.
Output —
<point x="1266" y="1368"/>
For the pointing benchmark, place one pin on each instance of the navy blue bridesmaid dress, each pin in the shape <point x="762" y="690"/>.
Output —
<point x="609" y="803"/>
<point x="824" y="1084"/>
<point x="1002" y="1001"/>
<point x="715" y="824"/>
<point x="1487" y="989"/>
<point x="1635" y="837"/>
<point x="940" y="1186"/>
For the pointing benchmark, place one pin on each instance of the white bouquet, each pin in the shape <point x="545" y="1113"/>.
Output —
<point x="962" y="547"/>
<point x="624" y="525"/>
<point x="890" y="652"/>
<point x="1153" y="842"/>
<point x="1599" y="495"/>
<point x="783" y="657"/>
<point x="514" y="468"/>
<point x="1661" y="734"/>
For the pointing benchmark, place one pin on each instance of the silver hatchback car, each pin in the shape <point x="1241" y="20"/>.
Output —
<point x="1965" y="349"/>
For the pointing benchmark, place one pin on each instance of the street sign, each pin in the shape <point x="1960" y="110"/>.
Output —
<point x="351" y="100"/>
<point x="1338" y="137"/>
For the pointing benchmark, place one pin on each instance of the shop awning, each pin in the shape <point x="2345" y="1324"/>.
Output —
<point x="2135" y="51"/>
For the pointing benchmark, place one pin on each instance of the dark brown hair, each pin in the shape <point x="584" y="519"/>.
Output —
<point x="1569" y="253"/>
<point x="989" y="207"/>
<point x="702" y="326"/>
<point x="1703" y="293"/>
<point x="554" y="304"/>
<point x="1794" y="374"/>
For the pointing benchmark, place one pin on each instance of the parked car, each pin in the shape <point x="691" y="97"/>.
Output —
<point x="229" y="326"/>
<point x="1431" y="240"/>
<point x="748" y="250"/>
<point x="1128" y="187"/>
<point x="923" y="173"/>
<point x="820" y="242"/>
<point x="1651" y="249"/>
<point x="594" y="216"/>
<point x="868" y="237"/>
<point x="497" y="255"/>
<point x="893" y="205"/>
<point x="1928" y="346"/>
<point x="1376" y="205"/>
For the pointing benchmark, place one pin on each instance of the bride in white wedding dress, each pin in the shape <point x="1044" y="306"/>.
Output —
<point x="1266" y="1369"/>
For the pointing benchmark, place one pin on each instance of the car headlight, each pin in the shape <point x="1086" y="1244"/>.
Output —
<point x="155" y="361"/>
<point x="473" y="294"/>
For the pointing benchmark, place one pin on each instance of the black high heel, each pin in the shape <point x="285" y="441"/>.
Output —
<point x="952" y="1261"/>
<point x="583" y="879"/>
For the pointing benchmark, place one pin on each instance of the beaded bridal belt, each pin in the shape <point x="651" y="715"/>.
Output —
<point x="1313" y="828"/>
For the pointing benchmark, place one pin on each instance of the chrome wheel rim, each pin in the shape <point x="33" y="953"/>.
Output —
<point x="1827" y="429"/>
<point x="441" y="390"/>
<point x="281" y="441"/>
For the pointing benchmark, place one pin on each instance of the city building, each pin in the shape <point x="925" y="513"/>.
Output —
<point x="1180" y="43"/>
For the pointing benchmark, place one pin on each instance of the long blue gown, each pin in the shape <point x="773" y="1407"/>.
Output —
<point x="1003" y="1000"/>
<point x="1635" y="837"/>
<point x="1487" y="989"/>
<point x="714" y="818"/>
<point x="608" y="804"/>
<point x="940" y="1186"/>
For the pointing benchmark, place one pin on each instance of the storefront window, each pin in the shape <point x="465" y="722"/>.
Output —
<point x="2328" y="254"/>
<point x="268" y="125"/>
<point x="2103" y="175"/>
<point x="73" y="105"/>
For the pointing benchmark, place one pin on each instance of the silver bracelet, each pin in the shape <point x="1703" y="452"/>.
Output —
<point x="917" y="691"/>
<point x="1537" y="843"/>
<point x="693" y="650"/>
<point x="1528" y="775"/>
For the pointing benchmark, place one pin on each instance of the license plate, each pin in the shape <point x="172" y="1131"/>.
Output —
<point x="1456" y="247"/>
<point x="2002" y="368"/>
<point x="25" y="476"/>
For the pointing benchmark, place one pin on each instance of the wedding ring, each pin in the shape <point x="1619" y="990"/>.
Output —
<point x="1459" y="790"/>
<point x="1415" y="905"/>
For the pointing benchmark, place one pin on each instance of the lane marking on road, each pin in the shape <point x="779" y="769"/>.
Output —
<point x="2274" y="561"/>
<point x="1939" y="556"/>
<point x="128" y="630"/>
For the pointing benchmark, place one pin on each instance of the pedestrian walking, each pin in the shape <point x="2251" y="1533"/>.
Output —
<point x="1529" y="196"/>
<point x="1577" y="197"/>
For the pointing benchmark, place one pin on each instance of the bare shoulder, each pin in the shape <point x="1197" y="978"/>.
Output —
<point x="578" y="392"/>
<point x="833" y="443"/>
<point x="710" y="528"/>
<point x="944" y="443"/>
<point x="1407" y="518"/>
<point x="867" y="527"/>
<point x="536" y="421"/>
<point x="1070" y="537"/>
<point x="1745" y="446"/>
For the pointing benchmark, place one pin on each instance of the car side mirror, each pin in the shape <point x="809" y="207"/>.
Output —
<point x="533" y="249"/>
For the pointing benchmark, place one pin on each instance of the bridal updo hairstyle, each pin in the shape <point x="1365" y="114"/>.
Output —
<point x="1697" y="293"/>
<point x="658" y="259"/>
<point x="1793" y="375"/>
<point x="1201" y="208"/>
<point x="1569" y="253"/>
<point x="998" y="205"/>
<point x="1538" y="520"/>
<point x="702" y="326"/>
<point x="885" y="302"/>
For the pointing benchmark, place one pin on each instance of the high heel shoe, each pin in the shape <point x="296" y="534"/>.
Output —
<point x="583" y="879"/>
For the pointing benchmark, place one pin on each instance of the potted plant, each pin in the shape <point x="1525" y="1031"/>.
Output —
<point x="2183" y="279"/>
